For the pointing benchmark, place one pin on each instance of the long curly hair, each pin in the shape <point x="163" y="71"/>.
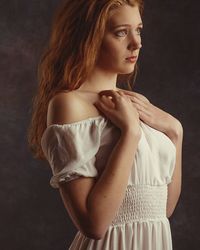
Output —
<point x="76" y="34"/>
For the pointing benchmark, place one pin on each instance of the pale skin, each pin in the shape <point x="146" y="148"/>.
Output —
<point x="124" y="109"/>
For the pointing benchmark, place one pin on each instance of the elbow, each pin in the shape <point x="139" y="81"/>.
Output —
<point x="93" y="235"/>
<point x="170" y="211"/>
<point x="171" y="207"/>
<point x="169" y="214"/>
<point x="94" y="227"/>
<point x="94" y="232"/>
<point x="98" y="233"/>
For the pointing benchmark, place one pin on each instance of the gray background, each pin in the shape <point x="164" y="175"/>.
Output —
<point x="32" y="215"/>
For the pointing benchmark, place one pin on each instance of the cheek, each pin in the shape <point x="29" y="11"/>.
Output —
<point x="111" y="48"/>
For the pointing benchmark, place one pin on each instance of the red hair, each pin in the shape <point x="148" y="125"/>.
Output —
<point x="77" y="32"/>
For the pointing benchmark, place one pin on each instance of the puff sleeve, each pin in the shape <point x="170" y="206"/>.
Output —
<point x="70" y="149"/>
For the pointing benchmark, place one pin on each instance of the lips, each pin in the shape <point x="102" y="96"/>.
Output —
<point x="132" y="57"/>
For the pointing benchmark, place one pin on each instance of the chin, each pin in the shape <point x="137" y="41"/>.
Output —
<point x="127" y="70"/>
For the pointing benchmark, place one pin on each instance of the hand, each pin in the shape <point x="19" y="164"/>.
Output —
<point x="154" y="116"/>
<point x="120" y="110"/>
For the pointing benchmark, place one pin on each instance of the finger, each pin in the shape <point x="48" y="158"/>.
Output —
<point x="145" y="117"/>
<point x="112" y="93"/>
<point x="142" y="97"/>
<point x="126" y="91"/>
<point x="138" y="107"/>
<point x="142" y="116"/>
<point x="106" y="100"/>
<point x="102" y="106"/>
<point x="121" y="93"/>
<point x="140" y="102"/>
<point x="142" y="109"/>
<point x="135" y="94"/>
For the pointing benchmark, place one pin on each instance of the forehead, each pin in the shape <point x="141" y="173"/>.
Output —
<point x="124" y="15"/>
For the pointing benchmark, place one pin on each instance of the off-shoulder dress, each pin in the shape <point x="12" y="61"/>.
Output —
<point x="82" y="149"/>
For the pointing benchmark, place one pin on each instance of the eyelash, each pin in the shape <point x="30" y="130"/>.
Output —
<point x="139" y="29"/>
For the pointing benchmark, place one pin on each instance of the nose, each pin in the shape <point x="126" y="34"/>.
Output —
<point x="134" y="42"/>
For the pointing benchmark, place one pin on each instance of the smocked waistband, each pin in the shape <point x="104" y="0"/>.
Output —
<point x="142" y="202"/>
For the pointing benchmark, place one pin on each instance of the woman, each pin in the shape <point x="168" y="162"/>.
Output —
<point x="115" y="157"/>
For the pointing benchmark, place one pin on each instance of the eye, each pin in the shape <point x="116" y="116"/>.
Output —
<point x="139" y="30"/>
<point x="121" y="33"/>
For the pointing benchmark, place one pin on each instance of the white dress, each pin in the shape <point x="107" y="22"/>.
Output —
<point x="82" y="149"/>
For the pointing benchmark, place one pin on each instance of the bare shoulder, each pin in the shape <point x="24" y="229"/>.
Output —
<point x="66" y="107"/>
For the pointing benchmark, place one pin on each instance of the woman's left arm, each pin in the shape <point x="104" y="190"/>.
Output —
<point x="166" y="123"/>
<point x="174" y="187"/>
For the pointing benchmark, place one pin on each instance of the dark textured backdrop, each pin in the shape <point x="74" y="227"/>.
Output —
<point x="32" y="215"/>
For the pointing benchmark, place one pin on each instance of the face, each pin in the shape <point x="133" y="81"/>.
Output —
<point x="122" y="39"/>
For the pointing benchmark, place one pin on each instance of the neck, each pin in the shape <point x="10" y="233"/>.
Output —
<point x="99" y="80"/>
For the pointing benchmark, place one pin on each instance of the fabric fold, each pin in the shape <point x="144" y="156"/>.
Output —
<point x="71" y="149"/>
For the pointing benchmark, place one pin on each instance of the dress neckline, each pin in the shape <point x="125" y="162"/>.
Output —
<point x="73" y="124"/>
<point x="89" y="119"/>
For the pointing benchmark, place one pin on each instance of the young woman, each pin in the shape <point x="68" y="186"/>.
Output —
<point x="115" y="157"/>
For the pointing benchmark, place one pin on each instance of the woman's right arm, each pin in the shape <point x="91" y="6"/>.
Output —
<point x="107" y="194"/>
<point x="92" y="204"/>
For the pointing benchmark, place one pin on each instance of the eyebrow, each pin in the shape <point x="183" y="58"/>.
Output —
<point x="128" y="25"/>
